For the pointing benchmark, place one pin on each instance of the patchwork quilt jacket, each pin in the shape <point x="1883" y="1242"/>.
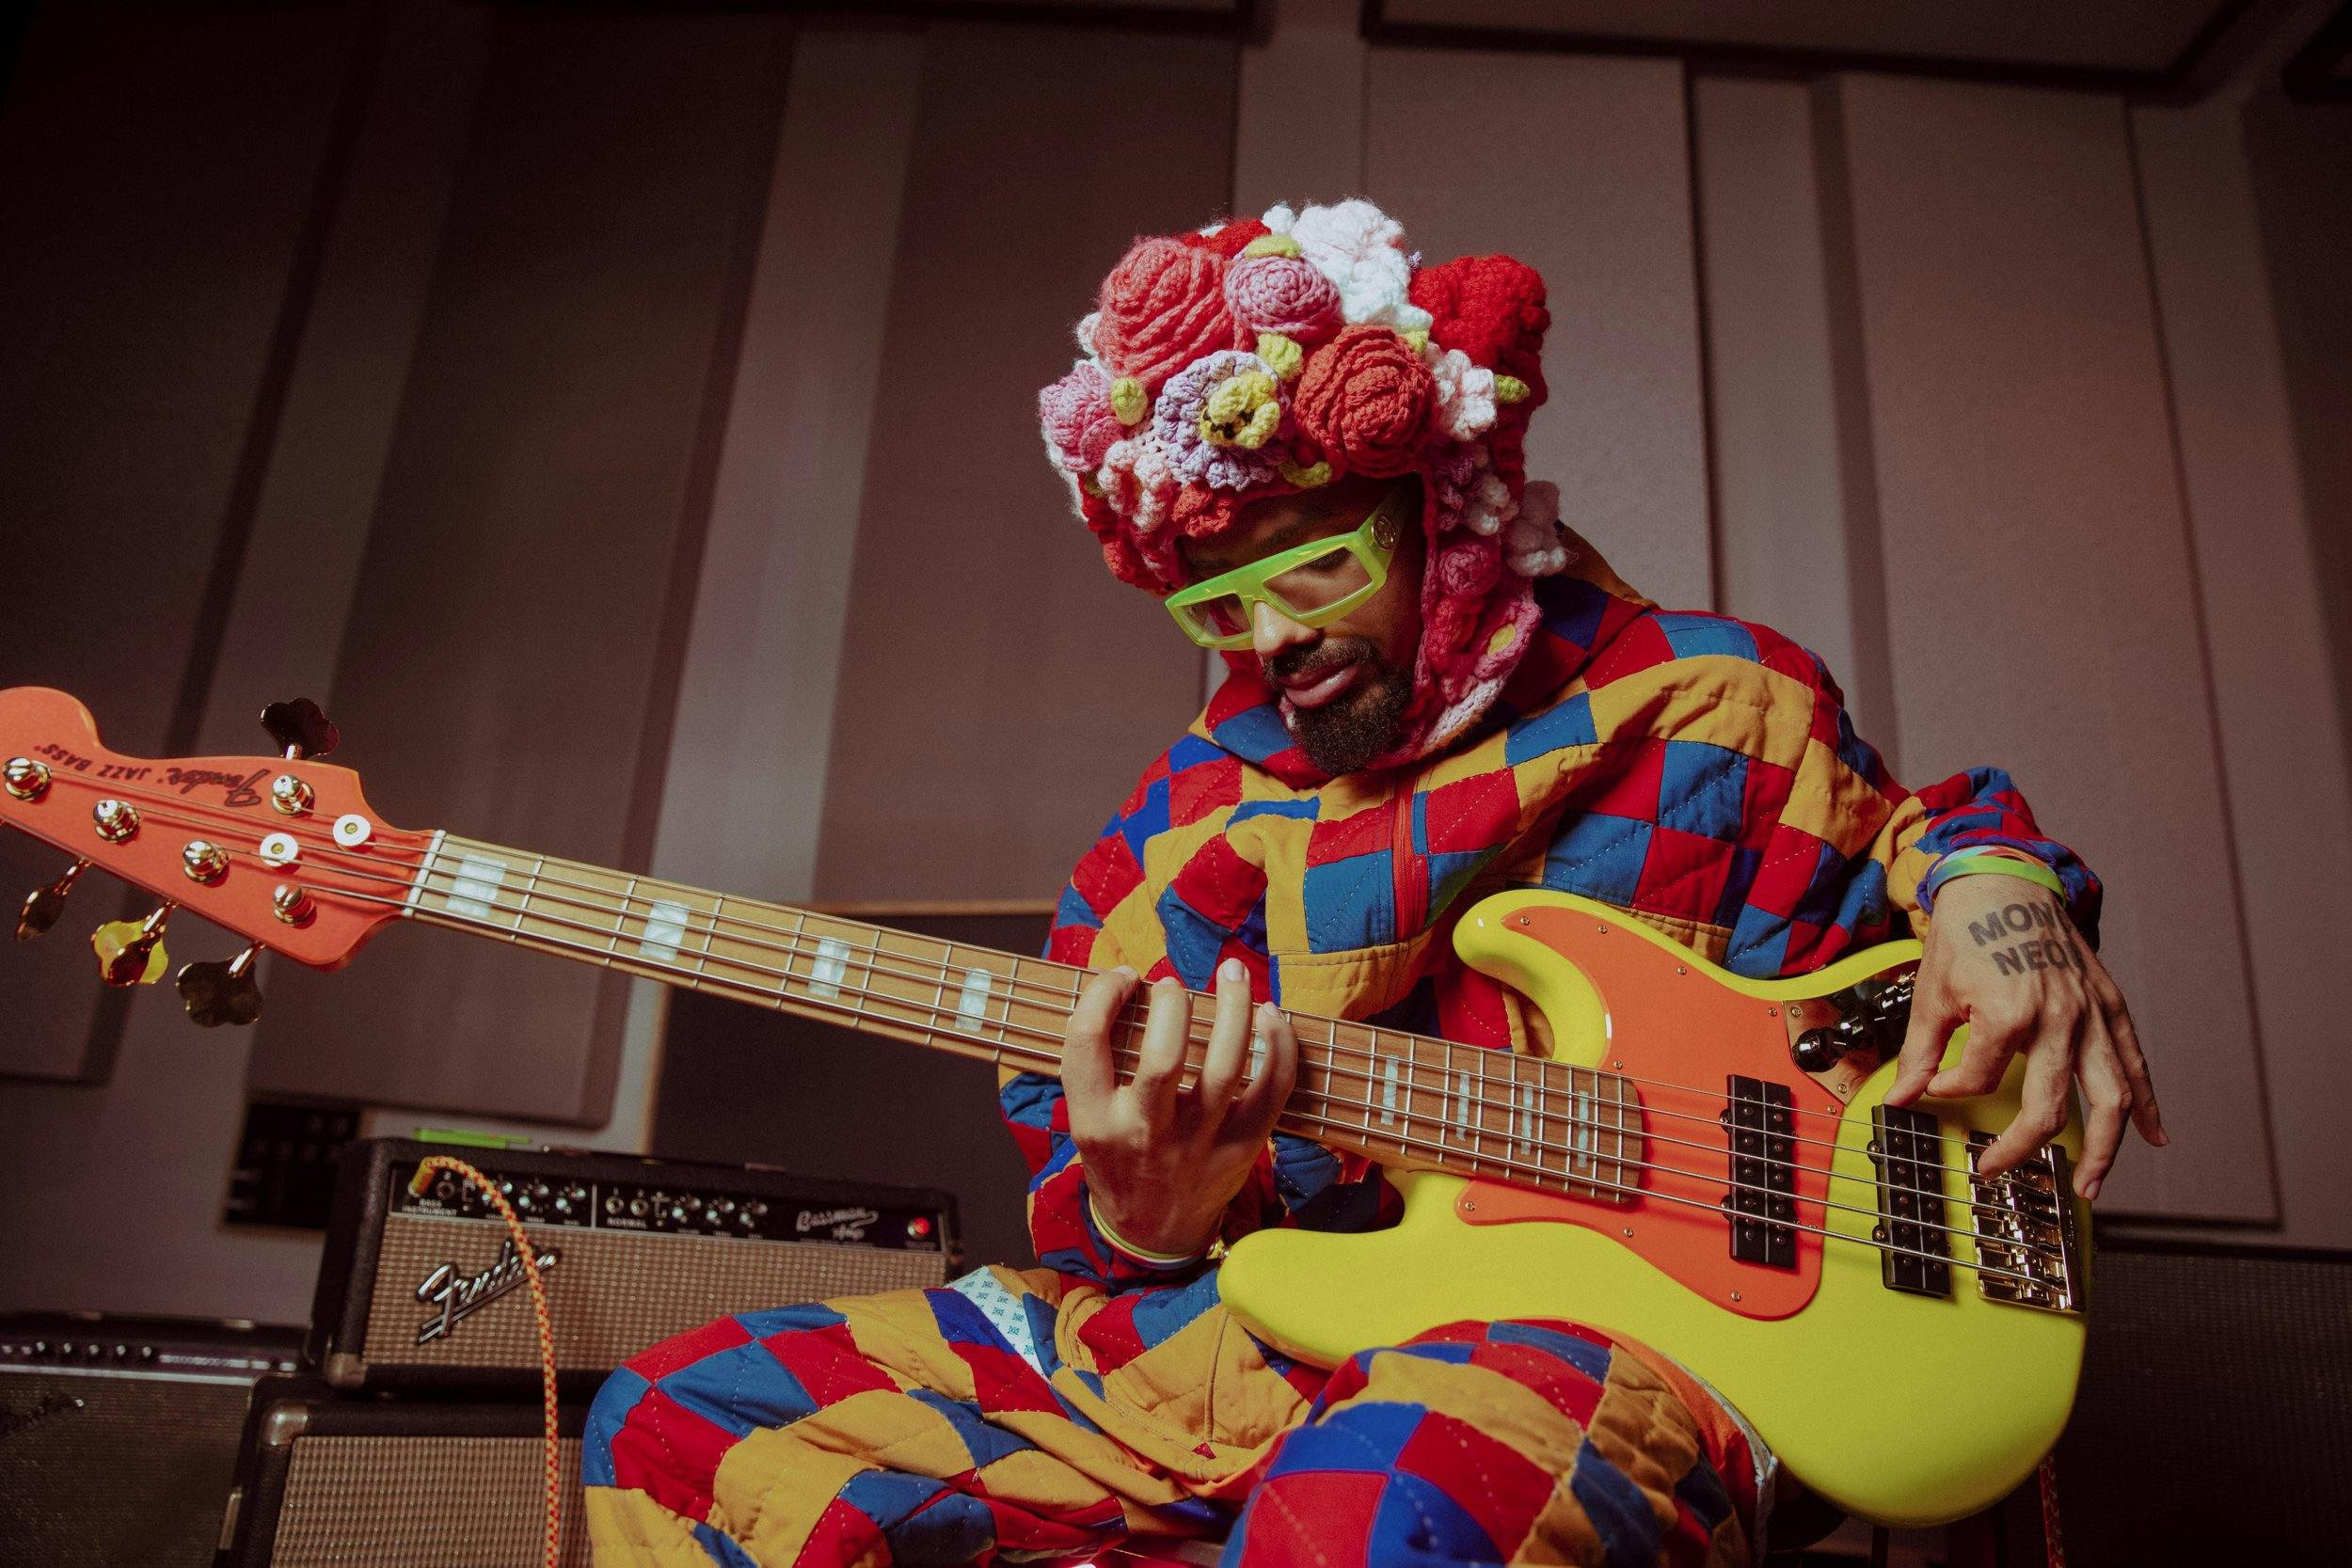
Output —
<point x="1697" y="771"/>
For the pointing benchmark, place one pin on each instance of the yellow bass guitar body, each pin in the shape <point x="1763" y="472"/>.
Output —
<point x="1907" y="1403"/>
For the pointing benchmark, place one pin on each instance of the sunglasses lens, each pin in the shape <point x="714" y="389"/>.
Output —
<point x="1221" y="617"/>
<point x="1323" y="582"/>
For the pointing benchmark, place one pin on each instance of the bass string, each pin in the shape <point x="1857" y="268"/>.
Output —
<point x="797" y="944"/>
<point x="1535" y="1175"/>
<point x="1476" y="1154"/>
<point x="367" y="865"/>
<point x="1545" y="1098"/>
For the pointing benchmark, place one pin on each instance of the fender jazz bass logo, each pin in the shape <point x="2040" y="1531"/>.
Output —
<point x="237" y="790"/>
<point x="457" y="1296"/>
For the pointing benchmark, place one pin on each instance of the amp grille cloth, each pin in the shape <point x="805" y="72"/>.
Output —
<point x="613" y="1292"/>
<point x="421" y="1502"/>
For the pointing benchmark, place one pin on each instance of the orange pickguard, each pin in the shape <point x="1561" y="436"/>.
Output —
<point x="1671" y="1024"/>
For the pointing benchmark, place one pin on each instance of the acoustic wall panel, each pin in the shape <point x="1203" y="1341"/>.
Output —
<point x="509" y="665"/>
<point x="2266" y="583"/>
<point x="1795" y="549"/>
<point x="999" y="691"/>
<point x="2043" y="614"/>
<point x="1581" y="168"/>
<point x="168" y="1118"/>
<point x="157" y="169"/>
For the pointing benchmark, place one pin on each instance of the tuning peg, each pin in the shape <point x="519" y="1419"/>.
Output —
<point x="217" y="993"/>
<point x="131" y="952"/>
<point x="301" y="729"/>
<point x="44" y="904"/>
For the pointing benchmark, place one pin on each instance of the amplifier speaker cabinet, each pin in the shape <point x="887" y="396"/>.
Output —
<point x="366" y="1483"/>
<point x="427" y="1293"/>
<point x="118" y="1435"/>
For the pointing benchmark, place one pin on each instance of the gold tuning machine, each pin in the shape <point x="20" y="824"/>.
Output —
<point x="217" y="993"/>
<point x="301" y="729"/>
<point x="131" y="952"/>
<point x="43" y="905"/>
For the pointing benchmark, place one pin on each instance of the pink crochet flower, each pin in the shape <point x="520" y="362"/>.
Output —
<point x="1176" y="426"/>
<point x="1467" y="567"/>
<point x="1366" y="398"/>
<point x="1135" y="480"/>
<point x="1163" y="307"/>
<point x="1077" y="414"/>
<point x="1284" y="295"/>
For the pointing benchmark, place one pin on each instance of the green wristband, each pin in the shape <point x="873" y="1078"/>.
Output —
<point x="1981" y="862"/>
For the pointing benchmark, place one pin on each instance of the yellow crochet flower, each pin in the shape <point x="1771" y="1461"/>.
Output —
<point x="1242" y="411"/>
<point x="1281" y="352"/>
<point x="1128" y="401"/>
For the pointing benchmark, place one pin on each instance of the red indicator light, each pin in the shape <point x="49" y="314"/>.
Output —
<point x="918" y="1227"/>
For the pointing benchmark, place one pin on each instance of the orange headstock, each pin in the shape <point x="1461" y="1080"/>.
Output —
<point x="283" y="851"/>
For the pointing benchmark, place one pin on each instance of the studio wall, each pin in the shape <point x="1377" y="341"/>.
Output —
<point x="644" y="469"/>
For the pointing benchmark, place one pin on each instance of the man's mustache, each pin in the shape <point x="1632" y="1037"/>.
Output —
<point x="1299" y="666"/>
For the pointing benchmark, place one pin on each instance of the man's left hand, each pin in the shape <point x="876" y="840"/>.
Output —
<point x="2035" y="988"/>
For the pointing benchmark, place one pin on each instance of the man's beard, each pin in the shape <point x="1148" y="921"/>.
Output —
<point x="1360" y="723"/>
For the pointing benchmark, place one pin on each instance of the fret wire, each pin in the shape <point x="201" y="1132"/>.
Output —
<point x="620" y="920"/>
<point x="537" y="866"/>
<point x="709" y="934"/>
<point x="939" y="992"/>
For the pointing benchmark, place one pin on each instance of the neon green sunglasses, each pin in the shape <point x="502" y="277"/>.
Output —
<point x="1313" y="584"/>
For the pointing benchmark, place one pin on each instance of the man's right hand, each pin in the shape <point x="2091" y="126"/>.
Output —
<point x="1163" y="1161"/>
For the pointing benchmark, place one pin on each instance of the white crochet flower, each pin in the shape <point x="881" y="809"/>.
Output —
<point x="1362" y="250"/>
<point x="1534" y="548"/>
<point x="1466" y="392"/>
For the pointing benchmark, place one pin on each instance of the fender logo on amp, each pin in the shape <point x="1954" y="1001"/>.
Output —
<point x="14" y="1421"/>
<point x="458" y="1295"/>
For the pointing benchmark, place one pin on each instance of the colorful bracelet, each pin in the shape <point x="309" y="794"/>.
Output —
<point x="1989" y="860"/>
<point x="1149" y="1260"/>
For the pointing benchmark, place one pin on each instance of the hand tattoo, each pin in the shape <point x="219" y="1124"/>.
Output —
<point x="2049" y="940"/>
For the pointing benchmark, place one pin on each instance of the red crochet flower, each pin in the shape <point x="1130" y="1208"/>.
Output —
<point x="1118" y="550"/>
<point x="1163" y="307"/>
<point x="1491" y="308"/>
<point x="1229" y="238"/>
<point x="1366" y="398"/>
<point x="1202" y="512"/>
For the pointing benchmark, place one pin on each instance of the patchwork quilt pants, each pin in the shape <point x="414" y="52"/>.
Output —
<point x="1022" y="1414"/>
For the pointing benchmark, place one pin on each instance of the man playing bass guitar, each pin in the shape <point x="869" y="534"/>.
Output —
<point x="1310" y="446"/>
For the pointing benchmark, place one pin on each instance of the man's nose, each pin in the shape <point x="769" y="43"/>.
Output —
<point x="1271" y="631"/>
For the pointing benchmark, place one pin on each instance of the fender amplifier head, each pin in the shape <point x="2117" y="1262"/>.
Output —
<point x="118" y="1435"/>
<point x="428" y="1291"/>
<point x="399" y="1484"/>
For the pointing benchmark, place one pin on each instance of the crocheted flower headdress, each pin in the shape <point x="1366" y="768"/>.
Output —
<point x="1265" y="355"/>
